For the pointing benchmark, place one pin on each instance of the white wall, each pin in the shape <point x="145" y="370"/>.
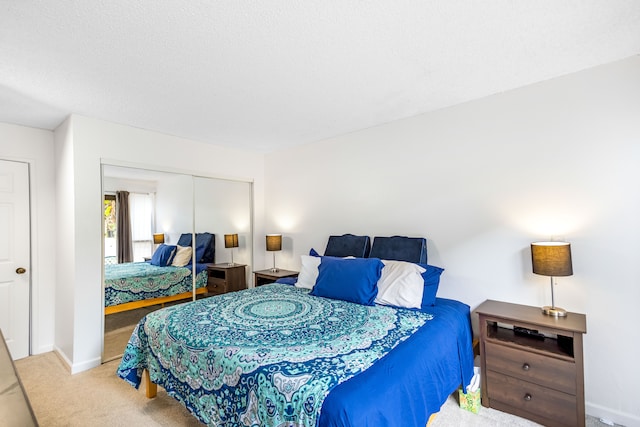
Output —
<point x="482" y="181"/>
<point x="224" y="207"/>
<point x="174" y="206"/>
<point x="79" y="329"/>
<point x="35" y="147"/>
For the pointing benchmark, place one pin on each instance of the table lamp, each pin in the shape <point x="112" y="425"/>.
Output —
<point x="231" y="241"/>
<point x="552" y="259"/>
<point x="158" y="238"/>
<point x="274" y="243"/>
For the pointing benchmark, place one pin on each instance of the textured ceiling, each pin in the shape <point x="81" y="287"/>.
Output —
<point x="265" y="75"/>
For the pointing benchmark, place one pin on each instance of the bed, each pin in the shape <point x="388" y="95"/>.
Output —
<point x="141" y="284"/>
<point x="284" y="355"/>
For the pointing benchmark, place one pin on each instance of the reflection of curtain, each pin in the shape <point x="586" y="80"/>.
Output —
<point x="123" y="225"/>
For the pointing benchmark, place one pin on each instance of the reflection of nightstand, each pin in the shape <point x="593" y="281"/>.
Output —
<point x="532" y="363"/>
<point x="263" y="277"/>
<point x="225" y="278"/>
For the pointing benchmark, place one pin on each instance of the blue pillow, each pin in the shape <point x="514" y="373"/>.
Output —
<point x="353" y="280"/>
<point x="163" y="255"/>
<point x="313" y="252"/>
<point x="431" y="279"/>
<point x="287" y="280"/>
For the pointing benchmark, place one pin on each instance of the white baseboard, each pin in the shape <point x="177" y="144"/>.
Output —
<point x="621" y="418"/>
<point x="86" y="365"/>
<point x="62" y="357"/>
<point x="75" y="368"/>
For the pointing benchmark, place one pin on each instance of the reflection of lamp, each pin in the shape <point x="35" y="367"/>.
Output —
<point x="274" y="243"/>
<point x="231" y="241"/>
<point x="552" y="259"/>
<point x="158" y="238"/>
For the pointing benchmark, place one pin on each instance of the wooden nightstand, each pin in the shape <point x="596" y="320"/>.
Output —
<point x="225" y="278"/>
<point x="263" y="277"/>
<point x="535" y="377"/>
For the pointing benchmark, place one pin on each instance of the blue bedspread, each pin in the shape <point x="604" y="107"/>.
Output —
<point x="413" y="381"/>
<point x="276" y="356"/>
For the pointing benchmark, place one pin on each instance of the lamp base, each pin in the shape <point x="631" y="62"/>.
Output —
<point x="274" y="270"/>
<point x="231" y="264"/>
<point x="554" y="311"/>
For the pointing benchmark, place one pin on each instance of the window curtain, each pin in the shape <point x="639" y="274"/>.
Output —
<point x="123" y="225"/>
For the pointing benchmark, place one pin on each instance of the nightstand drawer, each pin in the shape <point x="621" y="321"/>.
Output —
<point x="557" y="407"/>
<point x="543" y="370"/>
<point x="216" y="285"/>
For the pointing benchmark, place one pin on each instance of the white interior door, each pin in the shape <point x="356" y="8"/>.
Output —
<point x="14" y="256"/>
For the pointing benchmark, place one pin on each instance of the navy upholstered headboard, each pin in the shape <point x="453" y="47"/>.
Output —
<point x="208" y="240"/>
<point x="400" y="248"/>
<point x="348" y="245"/>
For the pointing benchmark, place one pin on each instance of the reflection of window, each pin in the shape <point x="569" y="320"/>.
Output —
<point x="109" y="215"/>
<point x="142" y="218"/>
<point x="109" y="229"/>
<point x="141" y="210"/>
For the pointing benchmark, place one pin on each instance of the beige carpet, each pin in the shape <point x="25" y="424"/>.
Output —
<point x="93" y="398"/>
<point x="99" y="398"/>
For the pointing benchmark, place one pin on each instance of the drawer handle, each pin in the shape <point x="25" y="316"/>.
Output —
<point x="526" y="367"/>
<point x="527" y="397"/>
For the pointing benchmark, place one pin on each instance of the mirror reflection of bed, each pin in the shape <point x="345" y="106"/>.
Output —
<point x="172" y="205"/>
<point x="134" y="289"/>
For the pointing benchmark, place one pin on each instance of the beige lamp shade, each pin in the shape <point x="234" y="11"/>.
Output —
<point x="551" y="258"/>
<point x="274" y="242"/>
<point x="230" y="240"/>
<point x="158" y="238"/>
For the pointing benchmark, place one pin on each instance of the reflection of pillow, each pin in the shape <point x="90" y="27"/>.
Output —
<point x="431" y="278"/>
<point x="163" y="255"/>
<point x="182" y="257"/>
<point x="351" y="280"/>
<point x="308" y="272"/>
<point x="200" y="252"/>
<point x="400" y="284"/>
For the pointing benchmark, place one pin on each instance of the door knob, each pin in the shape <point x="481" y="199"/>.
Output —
<point x="20" y="270"/>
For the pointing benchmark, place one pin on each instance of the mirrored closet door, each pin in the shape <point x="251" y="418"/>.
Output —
<point x="172" y="216"/>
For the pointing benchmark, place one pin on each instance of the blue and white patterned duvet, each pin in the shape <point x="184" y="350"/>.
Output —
<point x="262" y="357"/>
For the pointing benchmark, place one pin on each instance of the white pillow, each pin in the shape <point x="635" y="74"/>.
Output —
<point x="400" y="284"/>
<point x="182" y="257"/>
<point x="308" y="272"/>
